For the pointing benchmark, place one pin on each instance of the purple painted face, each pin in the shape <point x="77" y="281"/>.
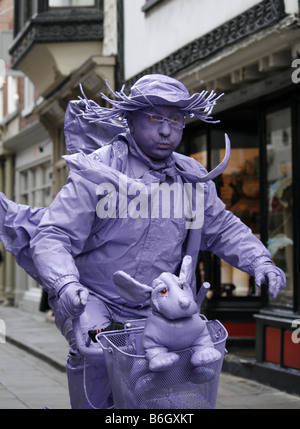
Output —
<point x="157" y="131"/>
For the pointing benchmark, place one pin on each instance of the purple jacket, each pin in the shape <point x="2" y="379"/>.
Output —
<point x="69" y="242"/>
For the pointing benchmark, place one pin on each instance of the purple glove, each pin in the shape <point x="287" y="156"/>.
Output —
<point x="267" y="273"/>
<point x="73" y="299"/>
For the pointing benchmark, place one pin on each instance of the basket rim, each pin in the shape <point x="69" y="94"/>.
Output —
<point x="106" y="335"/>
<point x="140" y="329"/>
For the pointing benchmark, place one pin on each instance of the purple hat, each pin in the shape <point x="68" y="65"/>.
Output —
<point x="161" y="90"/>
<point x="154" y="90"/>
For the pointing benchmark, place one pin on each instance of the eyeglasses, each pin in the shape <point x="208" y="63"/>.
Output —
<point x="176" y="121"/>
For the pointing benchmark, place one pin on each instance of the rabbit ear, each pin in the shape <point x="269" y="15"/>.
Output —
<point x="130" y="289"/>
<point x="186" y="269"/>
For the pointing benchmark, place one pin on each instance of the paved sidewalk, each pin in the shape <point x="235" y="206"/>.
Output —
<point x="27" y="382"/>
<point x="239" y="393"/>
<point x="32" y="333"/>
<point x="35" y="337"/>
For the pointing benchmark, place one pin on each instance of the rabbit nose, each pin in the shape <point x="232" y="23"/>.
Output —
<point x="184" y="303"/>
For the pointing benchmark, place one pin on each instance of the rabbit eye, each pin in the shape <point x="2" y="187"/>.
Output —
<point x="181" y="287"/>
<point x="163" y="291"/>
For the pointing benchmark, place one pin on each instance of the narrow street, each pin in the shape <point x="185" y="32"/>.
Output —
<point x="26" y="382"/>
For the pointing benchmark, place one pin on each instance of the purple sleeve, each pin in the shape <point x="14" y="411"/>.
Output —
<point x="228" y="237"/>
<point x="62" y="233"/>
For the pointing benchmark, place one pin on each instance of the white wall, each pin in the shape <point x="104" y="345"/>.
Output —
<point x="291" y="6"/>
<point x="152" y="36"/>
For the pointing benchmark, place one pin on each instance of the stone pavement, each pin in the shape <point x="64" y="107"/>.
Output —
<point x="27" y="382"/>
<point x="32" y="333"/>
<point x="32" y="370"/>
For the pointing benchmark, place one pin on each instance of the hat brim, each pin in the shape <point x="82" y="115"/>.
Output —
<point x="156" y="100"/>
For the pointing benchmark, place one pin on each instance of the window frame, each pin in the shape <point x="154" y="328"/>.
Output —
<point x="27" y="10"/>
<point x="273" y="105"/>
<point x="53" y="8"/>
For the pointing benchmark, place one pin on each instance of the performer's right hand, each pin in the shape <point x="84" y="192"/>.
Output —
<point x="73" y="299"/>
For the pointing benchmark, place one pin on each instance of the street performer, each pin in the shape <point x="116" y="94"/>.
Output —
<point x="111" y="216"/>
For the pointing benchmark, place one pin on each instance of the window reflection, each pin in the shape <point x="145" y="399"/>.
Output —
<point x="198" y="151"/>
<point x="198" y="148"/>
<point x="239" y="190"/>
<point x="279" y="177"/>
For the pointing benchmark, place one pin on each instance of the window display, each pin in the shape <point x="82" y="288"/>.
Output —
<point x="279" y="181"/>
<point x="239" y="189"/>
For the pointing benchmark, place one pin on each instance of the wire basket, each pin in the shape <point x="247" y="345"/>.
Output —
<point x="183" y="386"/>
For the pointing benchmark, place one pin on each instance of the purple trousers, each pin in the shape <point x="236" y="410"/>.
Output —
<point x="88" y="381"/>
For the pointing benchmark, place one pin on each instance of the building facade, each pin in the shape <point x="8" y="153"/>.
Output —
<point x="55" y="45"/>
<point x="10" y="86"/>
<point x="250" y="52"/>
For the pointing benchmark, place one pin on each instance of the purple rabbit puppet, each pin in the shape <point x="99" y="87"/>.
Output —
<point x="174" y="323"/>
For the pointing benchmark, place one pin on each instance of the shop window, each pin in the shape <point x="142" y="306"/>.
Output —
<point x="198" y="148"/>
<point x="239" y="189"/>
<point x="279" y="182"/>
